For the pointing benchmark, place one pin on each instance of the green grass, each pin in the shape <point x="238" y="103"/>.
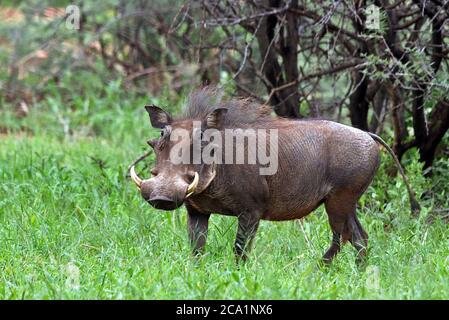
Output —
<point x="72" y="226"/>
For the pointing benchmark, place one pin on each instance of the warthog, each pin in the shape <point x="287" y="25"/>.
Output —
<point x="318" y="162"/>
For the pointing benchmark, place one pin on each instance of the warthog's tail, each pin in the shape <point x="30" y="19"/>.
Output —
<point x="414" y="205"/>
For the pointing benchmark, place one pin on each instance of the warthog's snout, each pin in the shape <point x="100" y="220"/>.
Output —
<point x="161" y="197"/>
<point x="164" y="203"/>
<point x="165" y="192"/>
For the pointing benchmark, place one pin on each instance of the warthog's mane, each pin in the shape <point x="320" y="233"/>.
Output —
<point x="242" y="112"/>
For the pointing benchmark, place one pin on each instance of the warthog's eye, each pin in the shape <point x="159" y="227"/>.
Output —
<point x="166" y="131"/>
<point x="153" y="172"/>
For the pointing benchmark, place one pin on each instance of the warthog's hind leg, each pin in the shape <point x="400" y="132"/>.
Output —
<point x="341" y="209"/>
<point x="333" y="249"/>
<point x="359" y="238"/>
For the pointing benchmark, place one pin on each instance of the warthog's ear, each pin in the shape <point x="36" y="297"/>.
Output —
<point x="158" y="117"/>
<point x="215" y="118"/>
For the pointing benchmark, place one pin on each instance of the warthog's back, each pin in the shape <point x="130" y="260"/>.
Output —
<point x="318" y="158"/>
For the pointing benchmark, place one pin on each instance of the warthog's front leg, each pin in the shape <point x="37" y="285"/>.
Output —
<point x="248" y="224"/>
<point x="197" y="226"/>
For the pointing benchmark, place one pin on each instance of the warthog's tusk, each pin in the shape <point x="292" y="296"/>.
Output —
<point x="192" y="187"/>
<point x="135" y="177"/>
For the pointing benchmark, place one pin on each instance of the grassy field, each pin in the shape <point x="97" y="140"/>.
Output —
<point x="72" y="225"/>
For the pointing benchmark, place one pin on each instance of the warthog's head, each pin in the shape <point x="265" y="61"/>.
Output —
<point x="174" y="181"/>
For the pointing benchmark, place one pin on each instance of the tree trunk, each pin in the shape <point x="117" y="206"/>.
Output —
<point x="285" y="101"/>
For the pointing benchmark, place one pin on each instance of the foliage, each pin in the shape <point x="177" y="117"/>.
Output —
<point x="74" y="227"/>
<point x="72" y="119"/>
